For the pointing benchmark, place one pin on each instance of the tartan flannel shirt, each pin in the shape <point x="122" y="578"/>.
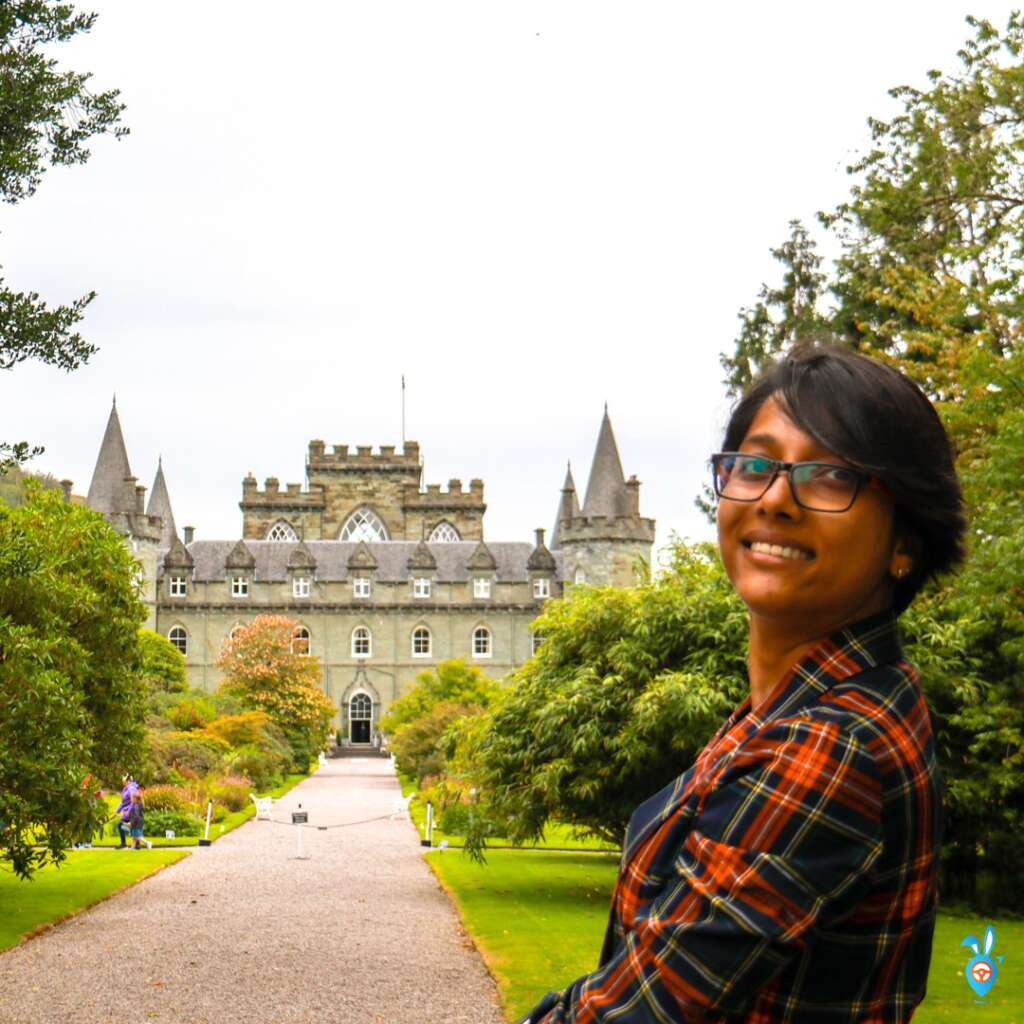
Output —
<point x="791" y="873"/>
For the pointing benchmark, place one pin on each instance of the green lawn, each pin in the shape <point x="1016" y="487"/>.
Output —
<point x="85" y="878"/>
<point x="217" y="829"/>
<point x="539" y="920"/>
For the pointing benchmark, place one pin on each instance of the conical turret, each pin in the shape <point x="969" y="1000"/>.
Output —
<point x="160" y="505"/>
<point x="568" y="506"/>
<point x="112" y="490"/>
<point x="606" y="488"/>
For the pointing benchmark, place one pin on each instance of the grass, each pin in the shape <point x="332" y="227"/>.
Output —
<point x="85" y="878"/>
<point x="556" y="837"/>
<point x="539" y="920"/>
<point x="217" y="829"/>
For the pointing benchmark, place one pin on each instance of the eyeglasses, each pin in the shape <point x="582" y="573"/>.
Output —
<point x="816" y="486"/>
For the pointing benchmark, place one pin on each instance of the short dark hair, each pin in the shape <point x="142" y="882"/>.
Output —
<point x="879" y="421"/>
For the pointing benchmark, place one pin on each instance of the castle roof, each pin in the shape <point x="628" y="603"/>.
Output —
<point x="541" y="560"/>
<point x="606" y="489"/>
<point x="421" y="558"/>
<point x="111" y="490"/>
<point x="160" y="505"/>
<point x="178" y="556"/>
<point x="332" y="559"/>
<point x="361" y="557"/>
<point x="568" y="497"/>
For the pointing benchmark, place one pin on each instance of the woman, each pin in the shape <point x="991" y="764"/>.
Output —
<point x="791" y="873"/>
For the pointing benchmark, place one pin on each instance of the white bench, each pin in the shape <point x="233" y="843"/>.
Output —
<point x="402" y="806"/>
<point x="322" y="759"/>
<point x="264" y="806"/>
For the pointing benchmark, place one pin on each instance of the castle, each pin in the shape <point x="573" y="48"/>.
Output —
<point x="384" y="576"/>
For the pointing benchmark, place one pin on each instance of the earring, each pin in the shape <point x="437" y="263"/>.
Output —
<point x="901" y="572"/>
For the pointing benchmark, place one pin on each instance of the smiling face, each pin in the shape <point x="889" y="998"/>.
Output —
<point x="806" y="572"/>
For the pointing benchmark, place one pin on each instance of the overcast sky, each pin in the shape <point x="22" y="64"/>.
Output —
<point x="527" y="208"/>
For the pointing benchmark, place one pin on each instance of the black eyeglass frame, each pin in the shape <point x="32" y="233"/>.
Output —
<point x="861" y="477"/>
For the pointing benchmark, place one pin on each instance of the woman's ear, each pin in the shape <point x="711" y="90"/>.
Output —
<point x="905" y="554"/>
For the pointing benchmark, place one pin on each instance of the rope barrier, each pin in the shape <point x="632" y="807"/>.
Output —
<point x="327" y="828"/>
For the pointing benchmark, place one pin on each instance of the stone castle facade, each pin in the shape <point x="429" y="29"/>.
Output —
<point x="384" y="576"/>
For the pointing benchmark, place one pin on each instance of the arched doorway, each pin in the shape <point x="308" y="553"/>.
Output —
<point x="360" y="715"/>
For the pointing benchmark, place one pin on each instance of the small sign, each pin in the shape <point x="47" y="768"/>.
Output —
<point x="300" y="817"/>
<point x="169" y="833"/>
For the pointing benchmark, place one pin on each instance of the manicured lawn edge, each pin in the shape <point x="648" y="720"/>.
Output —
<point x="44" y="926"/>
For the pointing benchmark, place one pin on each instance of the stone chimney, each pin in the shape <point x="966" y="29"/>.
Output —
<point x="189" y="534"/>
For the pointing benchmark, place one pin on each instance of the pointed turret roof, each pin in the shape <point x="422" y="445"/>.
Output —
<point x="160" y="505"/>
<point x="109" y="491"/>
<point x="568" y="506"/>
<point x="482" y="560"/>
<point x="240" y="557"/>
<point x="606" y="489"/>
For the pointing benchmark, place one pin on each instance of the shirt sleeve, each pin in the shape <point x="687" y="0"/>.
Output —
<point x="785" y="840"/>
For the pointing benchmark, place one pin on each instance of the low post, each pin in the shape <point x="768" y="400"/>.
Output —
<point x="299" y="819"/>
<point x="206" y="840"/>
<point x="429" y="841"/>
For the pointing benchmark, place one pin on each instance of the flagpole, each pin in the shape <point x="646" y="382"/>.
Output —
<point x="403" y="410"/>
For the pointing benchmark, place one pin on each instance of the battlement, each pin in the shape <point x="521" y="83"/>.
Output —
<point x="454" y="496"/>
<point x="292" y="497"/>
<point x="364" y="457"/>
<point x="622" y="528"/>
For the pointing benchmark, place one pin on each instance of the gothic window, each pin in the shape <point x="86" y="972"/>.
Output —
<point x="361" y="642"/>
<point x="481" y="642"/>
<point x="300" y="586"/>
<point x="444" y="533"/>
<point x="421" y="642"/>
<point x="300" y="641"/>
<point x="421" y="587"/>
<point x="581" y="576"/>
<point x="481" y="587"/>
<point x="281" y="531"/>
<point x="361" y="586"/>
<point x="179" y="638"/>
<point x="178" y="586"/>
<point x="541" y="588"/>
<point x="364" y="524"/>
<point x="240" y="586"/>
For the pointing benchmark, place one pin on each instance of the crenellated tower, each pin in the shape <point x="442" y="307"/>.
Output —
<point x="602" y="541"/>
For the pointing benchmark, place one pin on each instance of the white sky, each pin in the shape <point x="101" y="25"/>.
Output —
<point x="528" y="208"/>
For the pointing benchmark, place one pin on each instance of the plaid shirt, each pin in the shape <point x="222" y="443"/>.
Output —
<point x="791" y="873"/>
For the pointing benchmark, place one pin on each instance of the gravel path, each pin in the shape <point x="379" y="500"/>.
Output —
<point x="242" y="931"/>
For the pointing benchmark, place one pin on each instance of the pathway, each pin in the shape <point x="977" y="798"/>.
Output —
<point x="242" y="931"/>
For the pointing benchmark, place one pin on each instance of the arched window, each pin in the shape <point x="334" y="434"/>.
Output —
<point x="300" y="641"/>
<point x="444" y="533"/>
<point x="363" y="524"/>
<point x="179" y="638"/>
<point x="421" y="642"/>
<point x="235" y="630"/>
<point x="481" y="642"/>
<point x="361" y="642"/>
<point x="281" y="531"/>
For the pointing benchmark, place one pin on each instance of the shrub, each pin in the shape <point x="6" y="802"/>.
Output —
<point x="158" y="822"/>
<point x="264" y="767"/>
<point x="454" y="819"/>
<point x="168" y="798"/>
<point x="177" y="755"/>
<point x="191" y="713"/>
<point x="248" y="728"/>
<point x="233" y="795"/>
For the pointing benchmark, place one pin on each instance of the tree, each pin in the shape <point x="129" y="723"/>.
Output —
<point x="627" y="688"/>
<point x="47" y="117"/>
<point x="266" y="672"/>
<point x="451" y="682"/>
<point x="71" y="697"/>
<point x="163" y="665"/>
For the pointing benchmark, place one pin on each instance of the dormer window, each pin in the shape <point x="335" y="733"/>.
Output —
<point x="541" y="588"/>
<point x="361" y="586"/>
<point x="301" y="586"/>
<point x="178" y="586"/>
<point x="421" y="587"/>
<point x="481" y="587"/>
<point x="239" y="586"/>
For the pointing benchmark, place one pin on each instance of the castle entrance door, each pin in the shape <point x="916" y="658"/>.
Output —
<point x="360" y="713"/>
